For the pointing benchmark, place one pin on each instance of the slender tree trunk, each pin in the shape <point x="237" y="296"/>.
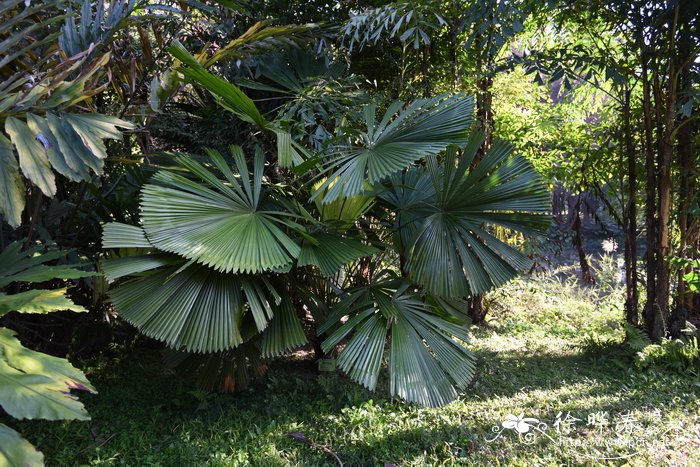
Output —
<point x="650" y="213"/>
<point x="586" y="275"/>
<point x="687" y="221"/>
<point x="630" y="220"/>
<point x="484" y="115"/>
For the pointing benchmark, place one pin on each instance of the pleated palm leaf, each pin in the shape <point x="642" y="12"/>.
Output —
<point x="425" y="346"/>
<point x="404" y="135"/>
<point x="443" y="210"/>
<point x="207" y="243"/>
<point x="206" y="261"/>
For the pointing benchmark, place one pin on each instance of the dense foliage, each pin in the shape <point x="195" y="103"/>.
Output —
<point x="237" y="180"/>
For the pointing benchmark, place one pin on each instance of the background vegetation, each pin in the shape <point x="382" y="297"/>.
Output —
<point x="235" y="190"/>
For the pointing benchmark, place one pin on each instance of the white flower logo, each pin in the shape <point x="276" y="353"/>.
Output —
<point x="520" y="423"/>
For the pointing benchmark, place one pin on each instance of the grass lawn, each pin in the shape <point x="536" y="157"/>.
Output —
<point x="609" y="412"/>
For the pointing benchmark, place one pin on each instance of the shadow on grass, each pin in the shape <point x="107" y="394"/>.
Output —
<point x="146" y="416"/>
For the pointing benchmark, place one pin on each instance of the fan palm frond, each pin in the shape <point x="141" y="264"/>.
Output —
<point x="441" y="211"/>
<point x="403" y="135"/>
<point x="231" y="225"/>
<point x="427" y="359"/>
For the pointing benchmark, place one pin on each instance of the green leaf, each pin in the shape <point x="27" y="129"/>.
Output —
<point x="403" y="136"/>
<point x="343" y="212"/>
<point x="11" y="185"/>
<point x="28" y="361"/>
<point x="32" y="156"/>
<point x="38" y="301"/>
<point x="230" y="96"/>
<point x="115" y="268"/>
<point x="331" y="252"/>
<point x="284" y="332"/>
<point x="427" y="357"/>
<point x="193" y="308"/>
<point x="27" y="391"/>
<point x="118" y="235"/>
<point x="17" y="451"/>
<point x="230" y="226"/>
<point x="440" y="212"/>
<point x="28" y="265"/>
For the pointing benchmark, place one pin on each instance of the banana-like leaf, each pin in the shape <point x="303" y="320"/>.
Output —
<point x="11" y="185"/>
<point x="38" y="301"/>
<point x="36" y="385"/>
<point x="231" y="225"/>
<point x="427" y="358"/>
<point x="403" y="136"/>
<point x="16" y="451"/>
<point x="440" y="212"/>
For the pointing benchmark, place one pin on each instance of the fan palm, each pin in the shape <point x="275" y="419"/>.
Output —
<point x="230" y="249"/>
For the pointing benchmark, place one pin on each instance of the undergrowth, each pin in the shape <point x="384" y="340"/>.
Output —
<point x="532" y="364"/>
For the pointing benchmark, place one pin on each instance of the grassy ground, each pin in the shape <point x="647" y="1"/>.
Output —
<point x="528" y="364"/>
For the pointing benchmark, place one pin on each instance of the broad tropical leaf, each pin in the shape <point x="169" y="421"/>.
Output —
<point x="38" y="301"/>
<point x="403" y="136"/>
<point x="231" y="225"/>
<point x="17" y="265"/>
<point x="16" y="451"/>
<point x="11" y="185"/>
<point x="426" y="355"/>
<point x="32" y="156"/>
<point x="36" y="385"/>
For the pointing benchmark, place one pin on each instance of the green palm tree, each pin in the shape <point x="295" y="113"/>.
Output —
<point x="230" y="251"/>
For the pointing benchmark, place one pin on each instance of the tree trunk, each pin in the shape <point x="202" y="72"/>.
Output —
<point x="651" y="223"/>
<point x="685" y="306"/>
<point x="630" y="220"/>
<point x="586" y="275"/>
